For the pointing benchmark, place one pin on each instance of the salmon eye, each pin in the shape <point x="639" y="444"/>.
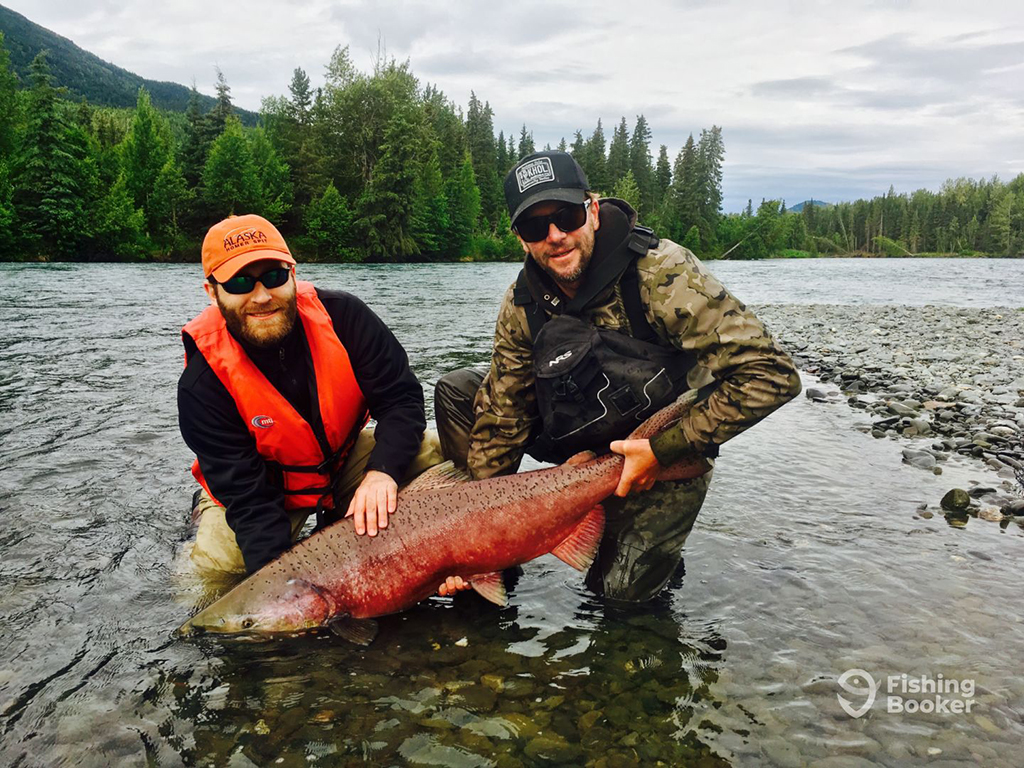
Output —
<point x="247" y="624"/>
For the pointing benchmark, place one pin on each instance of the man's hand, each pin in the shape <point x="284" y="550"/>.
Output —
<point x="453" y="584"/>
<point x="641" y="468"/>
<point x="374" y="499"/>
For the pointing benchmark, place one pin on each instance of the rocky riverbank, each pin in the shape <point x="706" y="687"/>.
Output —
<point x="949" y="378"/>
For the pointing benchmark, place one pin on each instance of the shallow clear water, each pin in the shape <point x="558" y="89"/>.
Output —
<point x="807" y="560"/>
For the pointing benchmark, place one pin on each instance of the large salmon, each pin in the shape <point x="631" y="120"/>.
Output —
<point x="443" y="526"/>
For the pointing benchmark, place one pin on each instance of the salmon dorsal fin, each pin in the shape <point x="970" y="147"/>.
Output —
<point x="579" y="548"/>
<point x="490" y="586"/>
<point x="580" y="458"/>
<point x="441" y="475"/>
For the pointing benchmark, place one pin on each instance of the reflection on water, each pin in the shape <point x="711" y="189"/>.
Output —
<point x="809" y="559"/>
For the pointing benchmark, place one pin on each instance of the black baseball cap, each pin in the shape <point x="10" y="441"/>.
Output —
<point x="541" y="177"/>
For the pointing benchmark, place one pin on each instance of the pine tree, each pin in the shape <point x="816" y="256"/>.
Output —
<point x="480" y="138"/>
<point x="463" y="199"/>
<point x="710" y="156"/>
<point x="662" y="177"/>
<point x="640" y="164"/>
<point x="562" y="146"/>
<point x="682" y="208"/>
<point x="501" y="152"/>
<point x="144" y="153"/>
<point x="330" y="222"/>
<point x="274" y="184"/>
<point x="10" y="107"/>
<point x="230" y="181"/>
<point x="430" y="208"/>
<point x="597" y="170"/>
<point x="173" y="198"/>
<point x="217" y="119"/>
<point x="384" y="215"/>
<point x="195" y="146"/>
<point x="618" y="154"/>
<point x="7" y="214"/>
<point x="119" y="224"/>
<point x="56" y="177"/>
<point x="627" y="190"/>
<point x="526" y="146"/>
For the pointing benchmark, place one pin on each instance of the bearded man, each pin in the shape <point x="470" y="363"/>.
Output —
<point x="280" y="381"/>
<point x="605" y="324"/>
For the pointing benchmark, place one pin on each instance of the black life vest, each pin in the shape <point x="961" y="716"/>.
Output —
<point x="596" y="385"/>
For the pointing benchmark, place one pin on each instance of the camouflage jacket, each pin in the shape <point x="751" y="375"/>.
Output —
<point x="689" y="310"/>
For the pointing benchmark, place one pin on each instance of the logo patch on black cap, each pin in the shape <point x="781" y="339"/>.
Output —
<point x="534" y="172"/>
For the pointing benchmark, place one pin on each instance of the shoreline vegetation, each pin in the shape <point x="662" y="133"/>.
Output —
<point x="373" y="167"/>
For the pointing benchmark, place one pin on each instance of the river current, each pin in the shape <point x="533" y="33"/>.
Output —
<point x="808" y="560"/>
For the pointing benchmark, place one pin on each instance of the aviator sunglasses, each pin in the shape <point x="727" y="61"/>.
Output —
<point x="567" y="219"/>
<point x="239" y="284"/>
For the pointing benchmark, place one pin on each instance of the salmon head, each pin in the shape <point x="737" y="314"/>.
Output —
<point x="252" y="607"/>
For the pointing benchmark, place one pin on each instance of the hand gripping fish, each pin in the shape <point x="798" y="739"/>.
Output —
<point x="444" y="526"/>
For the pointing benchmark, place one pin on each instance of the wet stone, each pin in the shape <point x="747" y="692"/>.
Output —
<point x="956" y="500"/>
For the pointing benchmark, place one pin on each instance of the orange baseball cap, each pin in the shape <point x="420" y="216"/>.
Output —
<point x="241" y="240"/>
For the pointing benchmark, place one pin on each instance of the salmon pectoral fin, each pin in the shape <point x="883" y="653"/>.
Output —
<point x="358" y="631"/>
<point x="581" y="458"/>
<point x="490" y="586"/>
<point x="579" y="548"/>
<point x="443" y="475"/>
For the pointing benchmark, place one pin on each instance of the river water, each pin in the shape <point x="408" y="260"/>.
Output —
<point x="808" y="560"/>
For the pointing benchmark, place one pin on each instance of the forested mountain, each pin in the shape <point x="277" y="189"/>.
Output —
<point x="87" y="76"/>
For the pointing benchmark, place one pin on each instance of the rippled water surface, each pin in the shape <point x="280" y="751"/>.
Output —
<point x="807" y="560"/>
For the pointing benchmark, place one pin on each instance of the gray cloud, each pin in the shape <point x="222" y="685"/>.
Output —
<point x="936" y="96"/>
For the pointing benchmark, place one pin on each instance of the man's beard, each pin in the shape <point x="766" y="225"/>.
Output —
<point x="585" y="245"/>
<point x="261" y="333"/>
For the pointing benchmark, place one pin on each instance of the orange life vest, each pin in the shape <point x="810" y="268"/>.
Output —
<point x="282" y="436"/>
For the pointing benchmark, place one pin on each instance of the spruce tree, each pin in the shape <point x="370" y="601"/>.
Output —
<point x="526" y="146"/>
<point x="56" y="177"/>
<point x="662" y="177"/>
<point x="501" y="153"/>
<point x="330" y="222"/>
<point x="640" y="163"/>
<point x="144" y="153"/>
<point x="173" y="198"/>
<point x="463" y="199"/>
<point x="385" y="217"/>
<point x="231" y="184"/>
<point x="618" y="154"/>
<point x="10" y="107"/>
<point x="480" y="138"/>
<point x="597" y="163"/>
<point x="274" y="184"/>
<point x="195" y="146"/>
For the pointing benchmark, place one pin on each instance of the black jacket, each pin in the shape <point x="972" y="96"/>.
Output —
<point x="235" y="472"/>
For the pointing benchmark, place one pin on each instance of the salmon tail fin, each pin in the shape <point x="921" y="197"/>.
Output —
<point x="579" y="548"/>
<point x="441" y="475"/>
<point x="490" y="586"/>
<point x="358" y="631"/>
<point x="580" y="458"/>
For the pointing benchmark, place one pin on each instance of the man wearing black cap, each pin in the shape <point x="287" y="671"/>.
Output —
<point x="605" y="324"/>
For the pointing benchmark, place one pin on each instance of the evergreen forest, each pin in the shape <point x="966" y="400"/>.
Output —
<point x="373" y="166"/>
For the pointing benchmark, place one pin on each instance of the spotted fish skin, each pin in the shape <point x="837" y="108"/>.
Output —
<point x="467" y="529"/>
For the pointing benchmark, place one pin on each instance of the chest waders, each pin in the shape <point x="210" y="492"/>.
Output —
<point x="596" y="385"/>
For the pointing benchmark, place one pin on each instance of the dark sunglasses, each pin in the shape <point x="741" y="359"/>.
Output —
<point x="568" y="219"/>
<point x="239" y="284"/>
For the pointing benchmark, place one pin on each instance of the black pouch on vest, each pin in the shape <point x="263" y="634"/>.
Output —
<point x="594" y="386"/>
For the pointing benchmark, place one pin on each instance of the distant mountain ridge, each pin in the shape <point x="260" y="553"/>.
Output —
<point x="87" y="76"/>
<point x="800" y="206"/>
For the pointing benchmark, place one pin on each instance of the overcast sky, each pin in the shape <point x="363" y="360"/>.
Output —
<point x="835" y="100"/>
